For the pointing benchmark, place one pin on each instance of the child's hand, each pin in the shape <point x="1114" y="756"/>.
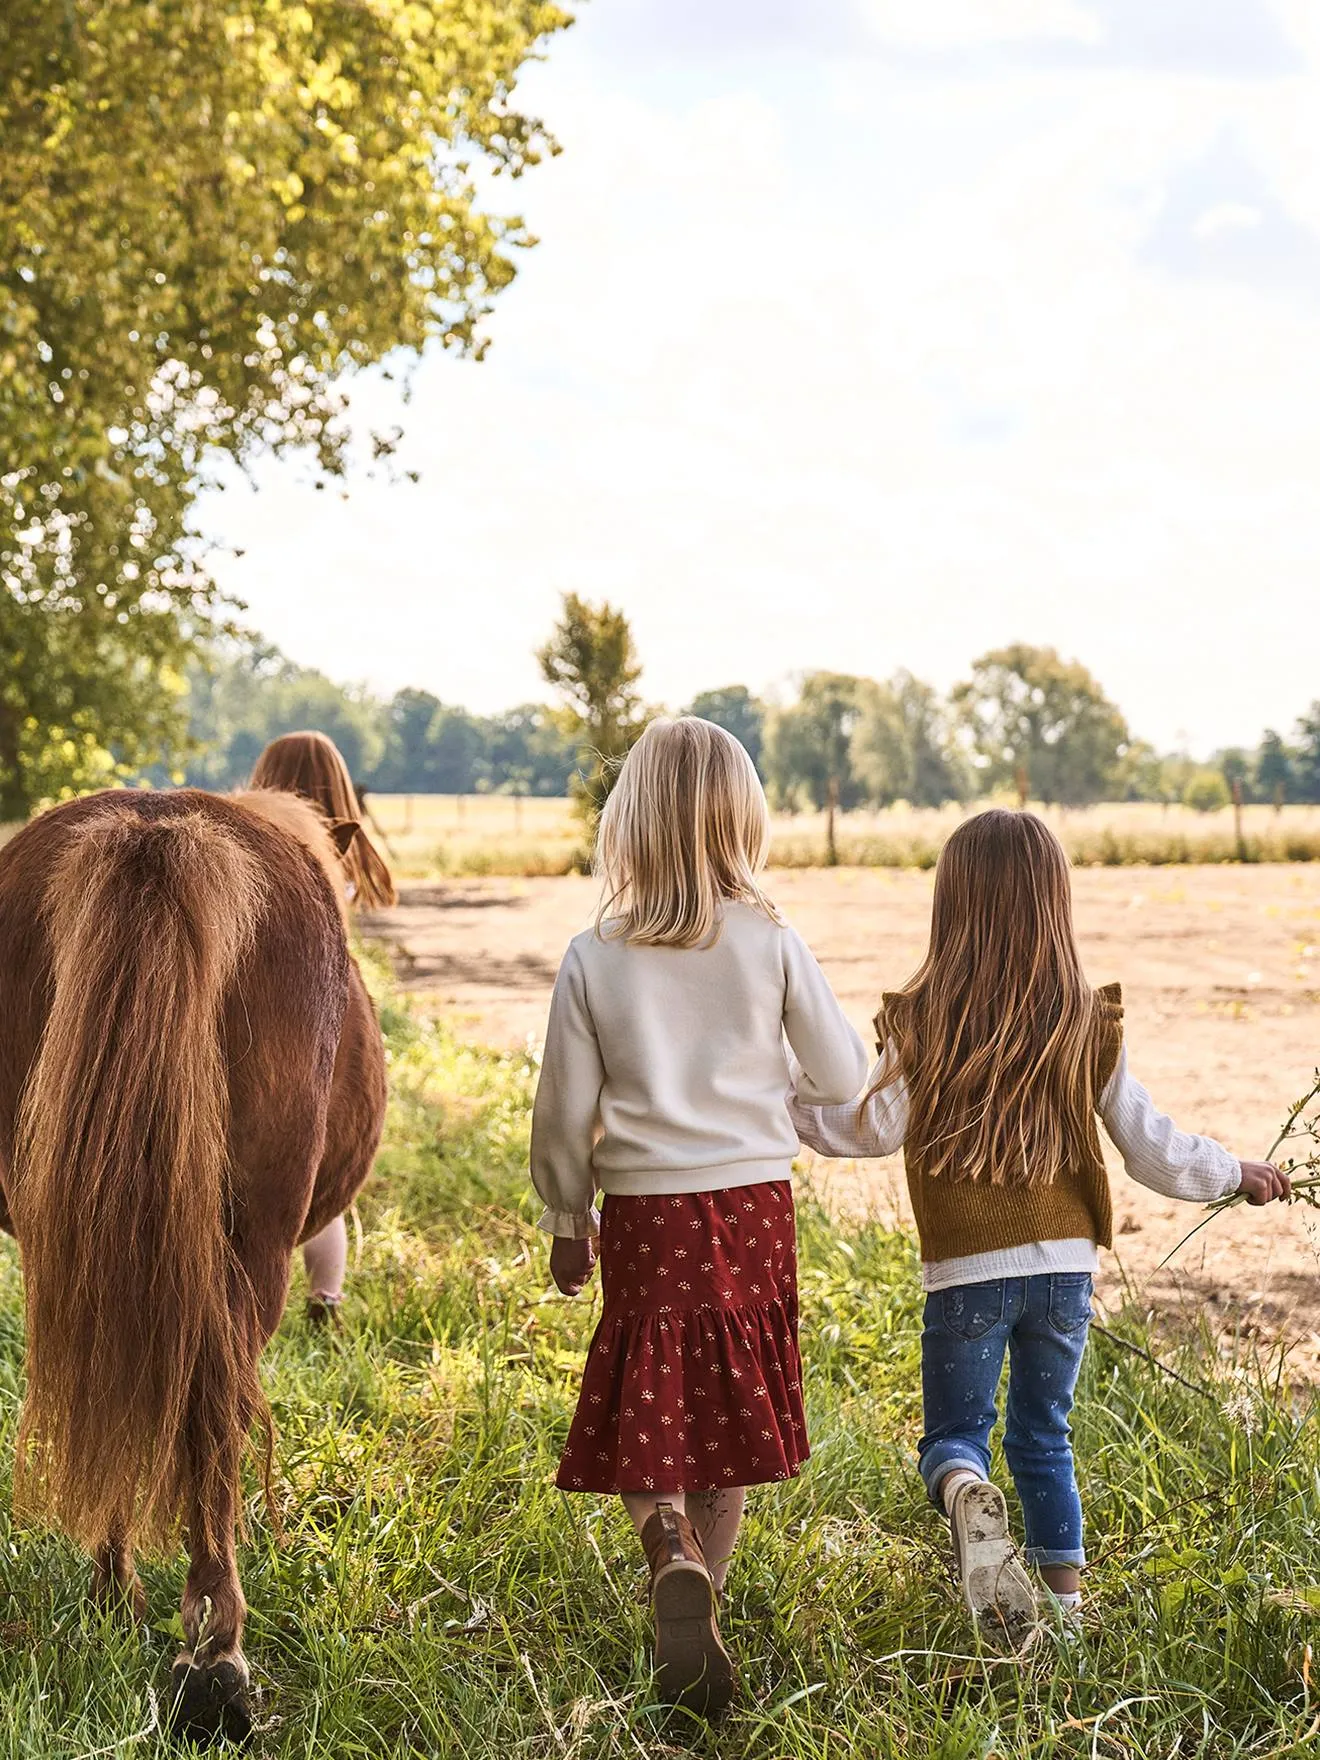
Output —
<point x="571" y="1262"/>
<point x="1262" y="1181"/>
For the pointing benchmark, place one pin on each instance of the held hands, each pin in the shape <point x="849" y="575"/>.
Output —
<point x="571" y="1263"/>
<point x="1262" y="1182"/>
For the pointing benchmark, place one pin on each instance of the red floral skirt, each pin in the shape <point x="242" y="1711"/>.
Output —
<point x="693" y="1380"/>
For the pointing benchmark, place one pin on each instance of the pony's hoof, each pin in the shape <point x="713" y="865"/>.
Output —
<point x="210" y="1701"/>
<point x="323" y="1313"/>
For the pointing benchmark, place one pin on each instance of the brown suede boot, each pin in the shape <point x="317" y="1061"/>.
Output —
<point x="693" y="1667"/>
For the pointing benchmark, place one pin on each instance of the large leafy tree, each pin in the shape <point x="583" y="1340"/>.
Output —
<point x="210" y="214"/>
<point x="735" y="709"/>
<point x="808" y="746"/>
<point x="1030" y="713"/>
<point x="591" y="661"/>
<point x="902" y="748"/>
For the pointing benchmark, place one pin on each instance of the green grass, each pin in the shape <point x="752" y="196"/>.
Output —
<point x="432" y="1594"/>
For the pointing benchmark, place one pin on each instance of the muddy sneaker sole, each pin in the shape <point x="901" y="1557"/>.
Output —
<point x="692" y="1666"/>
<point x="994" y="1579"/>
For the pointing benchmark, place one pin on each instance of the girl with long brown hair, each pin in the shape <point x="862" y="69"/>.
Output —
<point x="665" y="1082"/>
<point x="310" y="764"/>
<point x="995" y="1060"/>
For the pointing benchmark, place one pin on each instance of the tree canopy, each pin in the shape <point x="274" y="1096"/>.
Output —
<point x="1030" y="713"/>
<point x="737" y="711"/>
<point x="411" y="743"/>
<point x="592" y="662"/>
<point x="209" y="216"/>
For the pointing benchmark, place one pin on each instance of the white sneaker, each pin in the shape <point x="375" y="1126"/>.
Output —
<point x="994" y="1579"/>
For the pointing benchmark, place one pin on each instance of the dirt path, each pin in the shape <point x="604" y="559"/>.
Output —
<point x="1221" y="976"/>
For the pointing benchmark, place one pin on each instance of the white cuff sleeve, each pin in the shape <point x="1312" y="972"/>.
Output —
<point x="571" y="1224"/>
<point x="1156" y="1153"/>
<point x="852" y="1131"/>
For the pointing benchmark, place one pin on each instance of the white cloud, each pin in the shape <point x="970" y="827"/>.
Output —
<point x="803" y="385"/>
<point x="1227" y="217"/>
<point x="961" y="24"/>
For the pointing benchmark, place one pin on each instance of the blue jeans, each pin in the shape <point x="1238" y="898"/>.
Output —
<point x="1042" y="1323"/>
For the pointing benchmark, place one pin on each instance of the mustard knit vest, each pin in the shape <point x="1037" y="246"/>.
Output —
<point x="957" y="1218"/>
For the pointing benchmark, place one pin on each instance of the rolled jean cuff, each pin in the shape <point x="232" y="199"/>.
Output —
<point x="938" y="1462"/>
<point x="1051" y="1557"/>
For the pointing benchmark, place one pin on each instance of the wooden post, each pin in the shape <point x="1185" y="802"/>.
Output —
<point x="1237" y="819"/>
<point x="1278" y="798"/>
<point x="831" y="803"/>
<point x="1023" y="785"/>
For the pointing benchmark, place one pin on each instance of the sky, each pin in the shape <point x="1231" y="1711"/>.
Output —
<point x="866" y="334"/>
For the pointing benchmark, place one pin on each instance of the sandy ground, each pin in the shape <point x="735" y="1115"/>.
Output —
<point x="1221" y="974"/>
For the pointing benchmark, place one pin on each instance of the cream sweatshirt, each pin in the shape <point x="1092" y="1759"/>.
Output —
<point x="1155" y="1153"/>
<point x="665" y="1069"/>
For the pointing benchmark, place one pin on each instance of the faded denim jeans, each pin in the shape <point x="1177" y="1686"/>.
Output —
<point x="1042" y="1323"/>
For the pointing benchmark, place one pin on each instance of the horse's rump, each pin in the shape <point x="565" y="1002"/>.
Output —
<point x="176" y="968"/>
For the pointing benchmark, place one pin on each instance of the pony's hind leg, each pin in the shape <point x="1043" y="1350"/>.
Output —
<point x="116" y="1587"/>
<point x="210" y="1676"/>
<point x="209" y="1682"/>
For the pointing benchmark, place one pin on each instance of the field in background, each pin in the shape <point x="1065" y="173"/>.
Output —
<point x="432" y="836"/>
<point x="1220" y="967"/>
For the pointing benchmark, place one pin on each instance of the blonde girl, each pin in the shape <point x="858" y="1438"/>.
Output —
<point x="311" y="765"/>
<point x="665" y="1084"/>
<point x="996" y="1060"/>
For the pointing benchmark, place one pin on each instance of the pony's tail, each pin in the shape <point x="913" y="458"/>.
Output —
<point x="141" y="1344"/>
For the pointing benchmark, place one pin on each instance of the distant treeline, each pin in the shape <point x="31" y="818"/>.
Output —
<point x="1024" y="720"/>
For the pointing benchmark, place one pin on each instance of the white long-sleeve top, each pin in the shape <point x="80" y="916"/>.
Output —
<point x="1155" y="1153"/>
<point x="665" y="1069"/>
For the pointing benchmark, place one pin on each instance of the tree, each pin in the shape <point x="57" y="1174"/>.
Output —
<point x="808" y="745"/>
<point x="880" y="751"/>
<point x="1236" y="767"/>
<point x="1306" y="757"/>
<point x="1140" y="774"/>
<point x="208" y="218"/>
<point x="408" y="722"/>
<point x="1274" y="770"/>
<point x="1206" y="791"/>
<point x="591" y="661"/>
<point x="1027" y="710"/>
<point x="528" y="752"/>
<point x="735" y="709"/>
<point x="902" y="748"/>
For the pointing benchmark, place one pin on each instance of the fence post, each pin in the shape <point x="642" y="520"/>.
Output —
<point x="831" y="802"/>
<point x="1237" y="819"/>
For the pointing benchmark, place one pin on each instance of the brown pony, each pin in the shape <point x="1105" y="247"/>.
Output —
<point x="192" y="1081"/>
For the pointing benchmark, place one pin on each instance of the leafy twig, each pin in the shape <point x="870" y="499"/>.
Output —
<point x="1137" y="1350"/>
<point x="1304" y="1191"/>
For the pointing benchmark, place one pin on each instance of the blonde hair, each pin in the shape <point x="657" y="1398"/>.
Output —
<point x="996" y="1034"/>
<point x="685" y="829"/>
<point x="311" y="765"/>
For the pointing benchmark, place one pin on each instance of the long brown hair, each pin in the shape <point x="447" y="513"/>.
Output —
<point x="311" y="764"/>
<point x="995" y="1033"/>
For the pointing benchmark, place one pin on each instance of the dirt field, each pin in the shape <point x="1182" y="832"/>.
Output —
<point x="1221" y="975"/>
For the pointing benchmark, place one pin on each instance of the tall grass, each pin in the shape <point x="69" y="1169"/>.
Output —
<point x="453" y="836"/>
<point x="433" y="1595"/>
